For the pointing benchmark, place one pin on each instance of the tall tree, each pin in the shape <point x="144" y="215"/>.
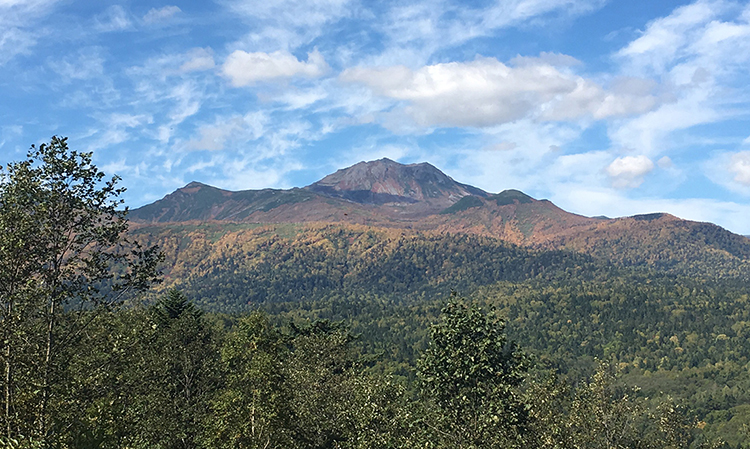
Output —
<point x="253" y="409"/>
<point x="63" y="252"/>
<point x="470" y="374"/>
<point x="180" y="375"/>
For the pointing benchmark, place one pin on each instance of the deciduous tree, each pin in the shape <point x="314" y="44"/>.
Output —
<point x="63" y="251"/>
<point x="470" y="373"/>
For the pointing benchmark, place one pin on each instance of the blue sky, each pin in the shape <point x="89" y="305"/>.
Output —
<point x="604" y="107"/>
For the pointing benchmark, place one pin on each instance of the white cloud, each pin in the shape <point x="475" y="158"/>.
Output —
<point x="665" y="162"/>
<point x="286" y="24"/>
<point x="155" y="15"/>
<point x="730" y="170"/>
<point x="532" y="165"/>
<point x="87" y="63"/>
<point x="187" y="100"/>
<point x="19" y="25"/>
<point x="173" y="87"/>
<point x="244" y="68"/>
<point x="294" y="13"/>
<point x="650" y="132"/>
<point x="129" y="120"/>
<point x="214" y="137"/>
<point x="299" y="99"/>
<point x="9" y="132"/>
<point x="175" y="64"/>
<point x="739" y="166"/>
<point x="486" y="92"/>
<point x="502" y="146"/>
<point x="114" y="18"/>
<point x="15" y="41"/>
<point x="512" y="12"/>
<point x="546" y="58"/>
<point x="629" y="171"/>
<point x="198" y="59"/>
<point x="703" y="55"/>
<point x="417" y="30"/>
<point x="114" y="129"/>
<point x="666" y="39"/>
<point x="247" y="173"/>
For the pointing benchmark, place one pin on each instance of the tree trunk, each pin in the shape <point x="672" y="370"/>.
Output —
<point x="47" y="367"/>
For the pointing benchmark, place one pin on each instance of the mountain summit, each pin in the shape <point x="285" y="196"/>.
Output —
<point x="386" y="181"/>
<point x="376" y="191"/>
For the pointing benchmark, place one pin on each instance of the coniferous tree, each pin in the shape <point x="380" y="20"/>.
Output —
<point x="181" y="374"/>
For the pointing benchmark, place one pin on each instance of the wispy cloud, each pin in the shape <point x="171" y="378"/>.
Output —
<point x="114" y="18"/>
<point x="700" y="50"/>
<point x="287" y="24"/>
<point x="213" y="137"/>
<point x="198" y="59"/>
<point x="245" y="69"/>
<point x="86" y="63"/>
<point x="19" y="25"/>
<point x="159" y="15"/>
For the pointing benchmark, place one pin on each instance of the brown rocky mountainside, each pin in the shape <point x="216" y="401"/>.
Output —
<point x="385" y="181"/>
<point x="419" y="197"/>
<point x="383" y="193"/>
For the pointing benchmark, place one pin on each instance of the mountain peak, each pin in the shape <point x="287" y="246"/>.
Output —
<point x="195" y="185"/>
<point x="387" y="181"/>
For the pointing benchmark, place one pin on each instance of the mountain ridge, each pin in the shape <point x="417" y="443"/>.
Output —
<point x="420" y="198"/>
<point x="381" y="191"/>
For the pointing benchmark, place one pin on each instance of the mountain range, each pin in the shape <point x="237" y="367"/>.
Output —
<point x="421" y="198"/>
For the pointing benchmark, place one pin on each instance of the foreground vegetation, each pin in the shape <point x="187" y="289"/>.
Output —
<point x="345" y="338"/>
<point x="168" y="376"/>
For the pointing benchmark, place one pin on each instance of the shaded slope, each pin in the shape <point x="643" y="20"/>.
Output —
<point x="230" y="269"/>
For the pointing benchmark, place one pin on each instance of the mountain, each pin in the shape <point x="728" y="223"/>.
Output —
<point x="373" y="192"/>
<point x="420" y="198"/>
<point x="385" y="181"/>
<point x="382" y="192"/>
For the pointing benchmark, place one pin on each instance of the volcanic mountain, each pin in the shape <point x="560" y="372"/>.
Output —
<point x="374" y="191"/>
<point x="385" y="181"/>
<point x="421" y="198"/>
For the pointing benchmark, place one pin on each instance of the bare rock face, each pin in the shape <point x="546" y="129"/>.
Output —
<point x="385" y="181"/>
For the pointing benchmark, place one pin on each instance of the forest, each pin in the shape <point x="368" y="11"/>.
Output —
<point x="344" y="337"/>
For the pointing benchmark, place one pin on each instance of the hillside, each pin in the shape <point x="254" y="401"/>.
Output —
<point x="420" y="198"/>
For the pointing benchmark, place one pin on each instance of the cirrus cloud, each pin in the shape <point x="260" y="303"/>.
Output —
<point x="155" y="15"/>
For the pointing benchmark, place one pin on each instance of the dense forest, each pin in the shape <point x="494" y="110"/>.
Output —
<point x="323" y="336"/>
